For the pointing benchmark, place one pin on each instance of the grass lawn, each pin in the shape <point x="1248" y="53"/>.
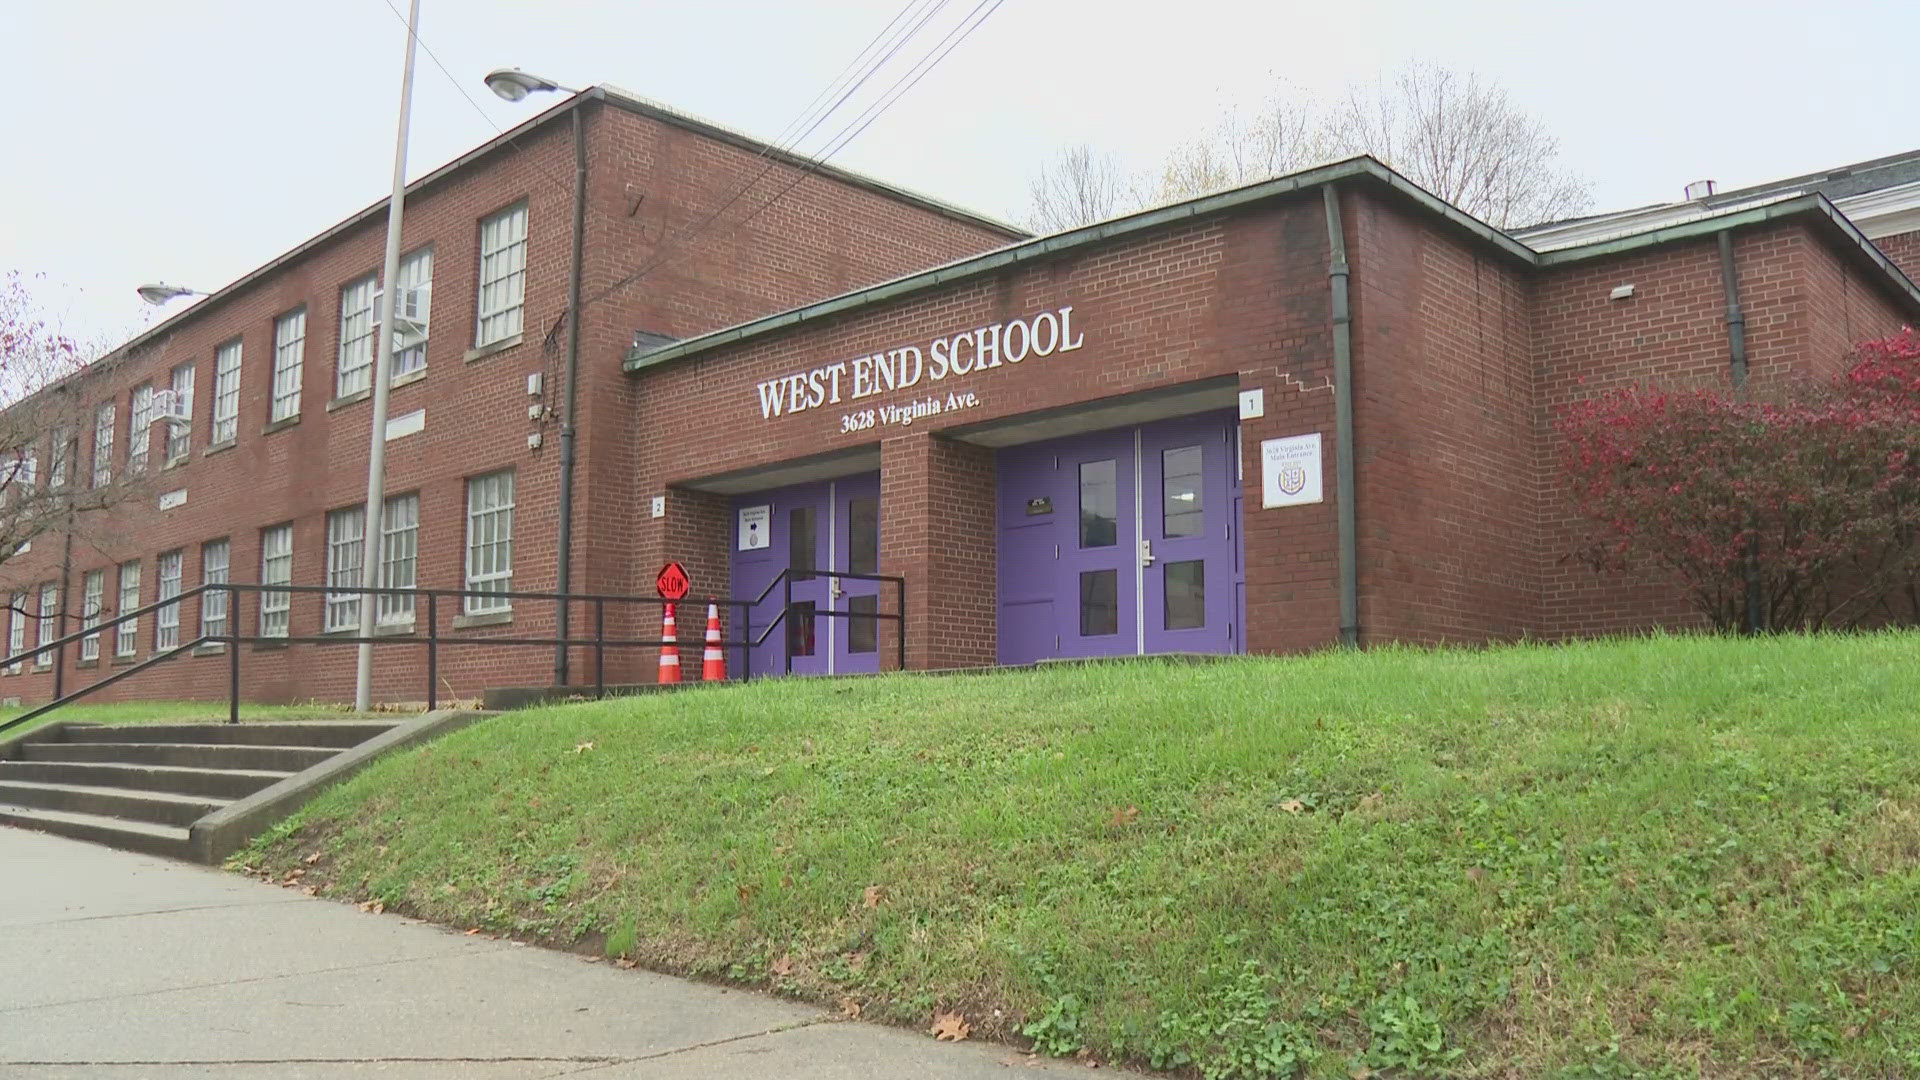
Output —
<point x="168" y="712"/>
<point x="1669" y="857"/>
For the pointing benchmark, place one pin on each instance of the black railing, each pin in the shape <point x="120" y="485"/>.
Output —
<point x="104" y="630"/>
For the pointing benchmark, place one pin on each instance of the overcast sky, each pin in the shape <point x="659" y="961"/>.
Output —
<point x="194" y="140"/>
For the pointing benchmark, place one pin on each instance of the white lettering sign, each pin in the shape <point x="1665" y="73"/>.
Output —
<point x="754" y="527"/>
<point x="909" y="366"/>
<point x="171" y="499"/>
<point x="1290" y="470"/>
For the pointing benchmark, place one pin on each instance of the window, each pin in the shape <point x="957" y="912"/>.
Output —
<point x="355" y="371"/>
<point x="26" y="474"/>
<point x="1186" y="587"/>
<point x="166" y="621"/>
<point x="17" y="629"/>
<point x="1183" y="507"/>
<point x="180" y="432"/>
<point x="803" y="536"/>
<point x="863" y="630"/>
<point x="61" y="452"/>
<point x="399" y="557"/>
<point x="226" y="392"/>
<point x="863" y="535"/>
<point x="140" y="417"/>
<point x="276" y="568"/>
<point x="503" y="274"/>
<point x="126" y="635"/>
<point x="490" y="540"/>
<point x="49" y="624"/>
<point x="94" y="593"/>
<point x="289" y="353"/>
<point x="412" y="305"/>
<point x="213" y="602"/>
<point x="345" y="530"/>
<point x="103" y="421"/>
<point x="1099" y="504"/>
<point x="1099" y="603"/>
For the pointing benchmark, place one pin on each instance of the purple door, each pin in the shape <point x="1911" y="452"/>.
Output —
<point x="812" y="529"/>
<point x="1121" y="542"/>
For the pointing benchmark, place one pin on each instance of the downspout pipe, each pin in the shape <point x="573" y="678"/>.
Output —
<point x="1737" y="371"/>
<point x="1337" y="280"/>
<point x="568" y="428"/>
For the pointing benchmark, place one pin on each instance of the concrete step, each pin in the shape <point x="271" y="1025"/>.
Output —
<point x="335" y="733"/>
<point x="187" y="755"/>
<point x="130" y="835"/>
<point x="218" y="783"/>
<point x="158" y="807"/>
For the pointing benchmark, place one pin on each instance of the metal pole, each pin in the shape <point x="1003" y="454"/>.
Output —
<point x="433" y="653"/>
<point x="382" y="369"/>
<point x="567" y="431"/>
<point x="1343" y="434"/>
<point x="233" y="652"/>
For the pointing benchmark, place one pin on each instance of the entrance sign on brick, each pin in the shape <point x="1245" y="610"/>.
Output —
<point x="671" y="582"/>
<point x="1290" y="471"/>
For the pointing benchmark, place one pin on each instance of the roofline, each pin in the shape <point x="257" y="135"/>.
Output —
<point x="1352" y="168"/>
<point x="1047" y="246"/>
<point x="625" y="100"/>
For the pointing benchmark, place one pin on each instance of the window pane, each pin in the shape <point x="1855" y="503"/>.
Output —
<point x="126" y="634"/>
<point x="289" y="355"/>
<point x="1182" y="498"/>
<point x="1099" y="602"/>
<point x="1099" y="504"/>
<point x="226" y="392"/>
<point x="800" y="621"/>
<point x="862" y="627"/>
<point x="802" y="547"/>
<point x="863" y="539"/>
<point x="17" y="629"/>
<point x="1186" y="584"/>
<point x="355" y="370"/>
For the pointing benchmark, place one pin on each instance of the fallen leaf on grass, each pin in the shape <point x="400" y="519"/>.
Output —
<point x="583" y="747"/>
<point x="855" y="960"/>
<point x="472" y="930"/>
<point x="743" y="892"/>
<point x="871" y="897"/>
<point x="626" y="964"/>
<point x="849" y="1008"/>
<point x="1293" y="806"/>
<point x="375" y="907"/>
<point x="311" y="891"/>
<point x="950" y="1027"/>
<point x="1125" y="817"/>
<point x="311" y="859"/>
<point x="1475" y="873"/>
<point x="782" y="967"/>
<point x="1371" y="802"/>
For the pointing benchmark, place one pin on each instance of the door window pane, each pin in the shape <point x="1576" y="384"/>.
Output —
<point x="863" y="536"/>
<point x="801" y="536"/>
<point x="1186" y="584"/>
<point x="1099" y="504"/>
<point x="862" y="627"/>
<point x="1099" y="602"/>
<point x="1182" y="498"/>
<point x="800" y="622"/>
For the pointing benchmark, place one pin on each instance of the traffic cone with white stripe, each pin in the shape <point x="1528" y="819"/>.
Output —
<point x="670" y="651"/>
<point x="713" y="668"/>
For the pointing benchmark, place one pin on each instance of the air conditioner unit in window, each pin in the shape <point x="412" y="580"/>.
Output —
<point x="409" y="311"/>
<point x="170" y="407"/>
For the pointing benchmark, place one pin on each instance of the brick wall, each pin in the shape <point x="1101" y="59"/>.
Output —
<point x="1904" y="250"/>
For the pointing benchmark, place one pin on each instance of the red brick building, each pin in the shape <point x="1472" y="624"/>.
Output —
<point x="1133" y="437"/>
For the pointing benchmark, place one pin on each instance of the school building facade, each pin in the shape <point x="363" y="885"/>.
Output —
<point x="1313" y="410"/>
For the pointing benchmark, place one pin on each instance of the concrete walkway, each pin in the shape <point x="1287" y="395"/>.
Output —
<point x="128" y="967"/>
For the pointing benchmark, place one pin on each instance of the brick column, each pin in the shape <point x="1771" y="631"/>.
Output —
<point x="937" y="531"/>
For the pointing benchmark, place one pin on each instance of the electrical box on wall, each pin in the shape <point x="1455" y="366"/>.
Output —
<point x="533" y="441"/>
<point x="534" y="384"/>
<point x="659" y="506"/>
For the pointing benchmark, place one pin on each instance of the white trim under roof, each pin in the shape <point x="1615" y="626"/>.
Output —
<point x="1886" y="212"/>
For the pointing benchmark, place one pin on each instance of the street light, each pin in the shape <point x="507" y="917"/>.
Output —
<point x="371" y="532"/>
<point x="160" y="292"/>
<point x="514" y="85"/>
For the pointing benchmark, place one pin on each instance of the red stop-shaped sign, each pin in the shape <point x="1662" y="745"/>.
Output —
<point x="672" y="582"/>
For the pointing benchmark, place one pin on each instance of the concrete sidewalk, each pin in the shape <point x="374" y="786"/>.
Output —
<point x="123" y="966"/>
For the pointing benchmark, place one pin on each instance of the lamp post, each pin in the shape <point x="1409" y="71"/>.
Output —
<point x="371" y="518"/>
<point x="160" y="292"/>
<point x="513" y="84"/>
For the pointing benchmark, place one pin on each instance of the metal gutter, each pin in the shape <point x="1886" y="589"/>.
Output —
<point x="1086" y="236"/>
<point x="1338" y="274"/>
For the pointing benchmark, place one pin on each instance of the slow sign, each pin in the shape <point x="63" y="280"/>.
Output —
<point x="672" y="583"/>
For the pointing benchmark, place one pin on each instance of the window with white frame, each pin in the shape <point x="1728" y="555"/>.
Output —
<point x="399" y="557"/>
<point x="226" y="392"/>
<point x="59" y="454"/>
<point x="49" y="622"/>
<point x="490" y="541"/>
<point x="289" y="354"/>
<point x="276" y="568"/>
<point x="355" y="370"/>
<point x="93" y="599"/>
<point x="26" y="474"/>
<point x="166" y="621"/>
<point x="16" y="629"/>
<point x="126" y="635"/>
<point x="412" y="306"/>
<point x="103" y="421"/>
<point x="503" y="274"/>
<point x="345" y="530"/>
<point x="138" y="420"/>
<point x="213" y="602"/>
<point x="180" y="432"/>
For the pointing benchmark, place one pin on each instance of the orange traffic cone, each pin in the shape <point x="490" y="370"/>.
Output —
<point x="669" y="652"/>
<point x="713" y="668"/>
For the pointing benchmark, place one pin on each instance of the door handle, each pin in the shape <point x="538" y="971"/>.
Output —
<point x="1146" y="553"/>
<point x="837" y="589"/>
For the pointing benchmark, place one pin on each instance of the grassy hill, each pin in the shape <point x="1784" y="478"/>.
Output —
<point x="1661" y="857"/>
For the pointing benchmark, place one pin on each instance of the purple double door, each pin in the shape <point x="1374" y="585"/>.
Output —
<point x="812" y="529"/>
<point x="1122" y="542"/>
